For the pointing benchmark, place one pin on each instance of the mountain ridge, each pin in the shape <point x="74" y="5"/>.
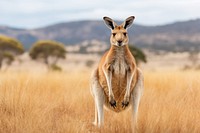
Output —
<point x="180" y="35"/>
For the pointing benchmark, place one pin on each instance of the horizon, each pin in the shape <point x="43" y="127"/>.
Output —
<point x="31" y="14"/>
<point x="10" y="26"/>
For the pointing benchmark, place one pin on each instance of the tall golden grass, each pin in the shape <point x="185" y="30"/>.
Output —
<point x="61" y="103"/>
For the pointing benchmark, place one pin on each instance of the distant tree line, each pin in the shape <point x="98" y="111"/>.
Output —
<point x="46" y="51"/>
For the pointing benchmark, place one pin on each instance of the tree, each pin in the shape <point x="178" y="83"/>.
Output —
<point x="9" y="48"/>
<point x="138" y="54"/>
<point x="49" y="51"/>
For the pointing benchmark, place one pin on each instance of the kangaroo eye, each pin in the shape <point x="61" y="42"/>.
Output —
<point x="113" y="34"/>
<point x="125" y="34"/>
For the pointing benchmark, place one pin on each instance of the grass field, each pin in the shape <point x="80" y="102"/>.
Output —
<point x="61" y="103"/>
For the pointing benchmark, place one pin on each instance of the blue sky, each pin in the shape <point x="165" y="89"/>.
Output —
<point x="38" y="13"/>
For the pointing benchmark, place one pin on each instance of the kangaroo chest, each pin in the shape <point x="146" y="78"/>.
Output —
<point x="119" y="80"/>
<point x="119" y="62"/>
<point x="119" y="66"/>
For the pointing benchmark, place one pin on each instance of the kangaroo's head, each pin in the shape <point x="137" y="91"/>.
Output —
<point x="119" y="36"/>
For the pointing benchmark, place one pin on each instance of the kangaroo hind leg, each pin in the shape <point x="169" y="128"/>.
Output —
<point x="98" y="95"/>
<point x="136" y="96"/>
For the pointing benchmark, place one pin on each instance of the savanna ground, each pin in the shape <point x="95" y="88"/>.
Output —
<point x="32" y="102"/>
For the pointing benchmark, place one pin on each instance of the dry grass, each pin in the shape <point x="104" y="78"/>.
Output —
<point x="61" y="103"/>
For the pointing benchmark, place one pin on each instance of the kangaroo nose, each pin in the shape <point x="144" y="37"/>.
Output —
<point x="120" y="42"/>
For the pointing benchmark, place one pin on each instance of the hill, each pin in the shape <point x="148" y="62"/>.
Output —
<point x="178" y="36"/>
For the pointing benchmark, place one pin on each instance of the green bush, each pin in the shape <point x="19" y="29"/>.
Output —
<point x="9" y="48"/>
<point x="138" y="54"/>
<point x="46" y="49"/>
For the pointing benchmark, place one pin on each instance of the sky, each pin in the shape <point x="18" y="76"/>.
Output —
<point x="38" y="13"/>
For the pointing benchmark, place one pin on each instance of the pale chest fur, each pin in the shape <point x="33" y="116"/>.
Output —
<point x="119" y="64"/>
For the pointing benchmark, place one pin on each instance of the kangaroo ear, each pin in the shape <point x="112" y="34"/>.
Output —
<point x="109" y="22"/>
<point x="127" y="23"/>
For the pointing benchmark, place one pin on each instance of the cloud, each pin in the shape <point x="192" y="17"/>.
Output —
<point x="36" y="13"/>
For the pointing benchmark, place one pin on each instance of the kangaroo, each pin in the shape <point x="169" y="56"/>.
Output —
<point x="117" y="82"/>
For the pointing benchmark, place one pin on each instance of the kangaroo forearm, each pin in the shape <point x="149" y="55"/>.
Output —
<point x="130" y="75"/>
<point x="108" y="74"/>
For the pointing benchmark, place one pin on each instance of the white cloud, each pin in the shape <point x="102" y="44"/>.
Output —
<point x="36" y="13"/>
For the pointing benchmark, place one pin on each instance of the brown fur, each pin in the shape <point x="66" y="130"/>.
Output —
<point x="119" y="60"/>
<point x="117" y="82"/>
